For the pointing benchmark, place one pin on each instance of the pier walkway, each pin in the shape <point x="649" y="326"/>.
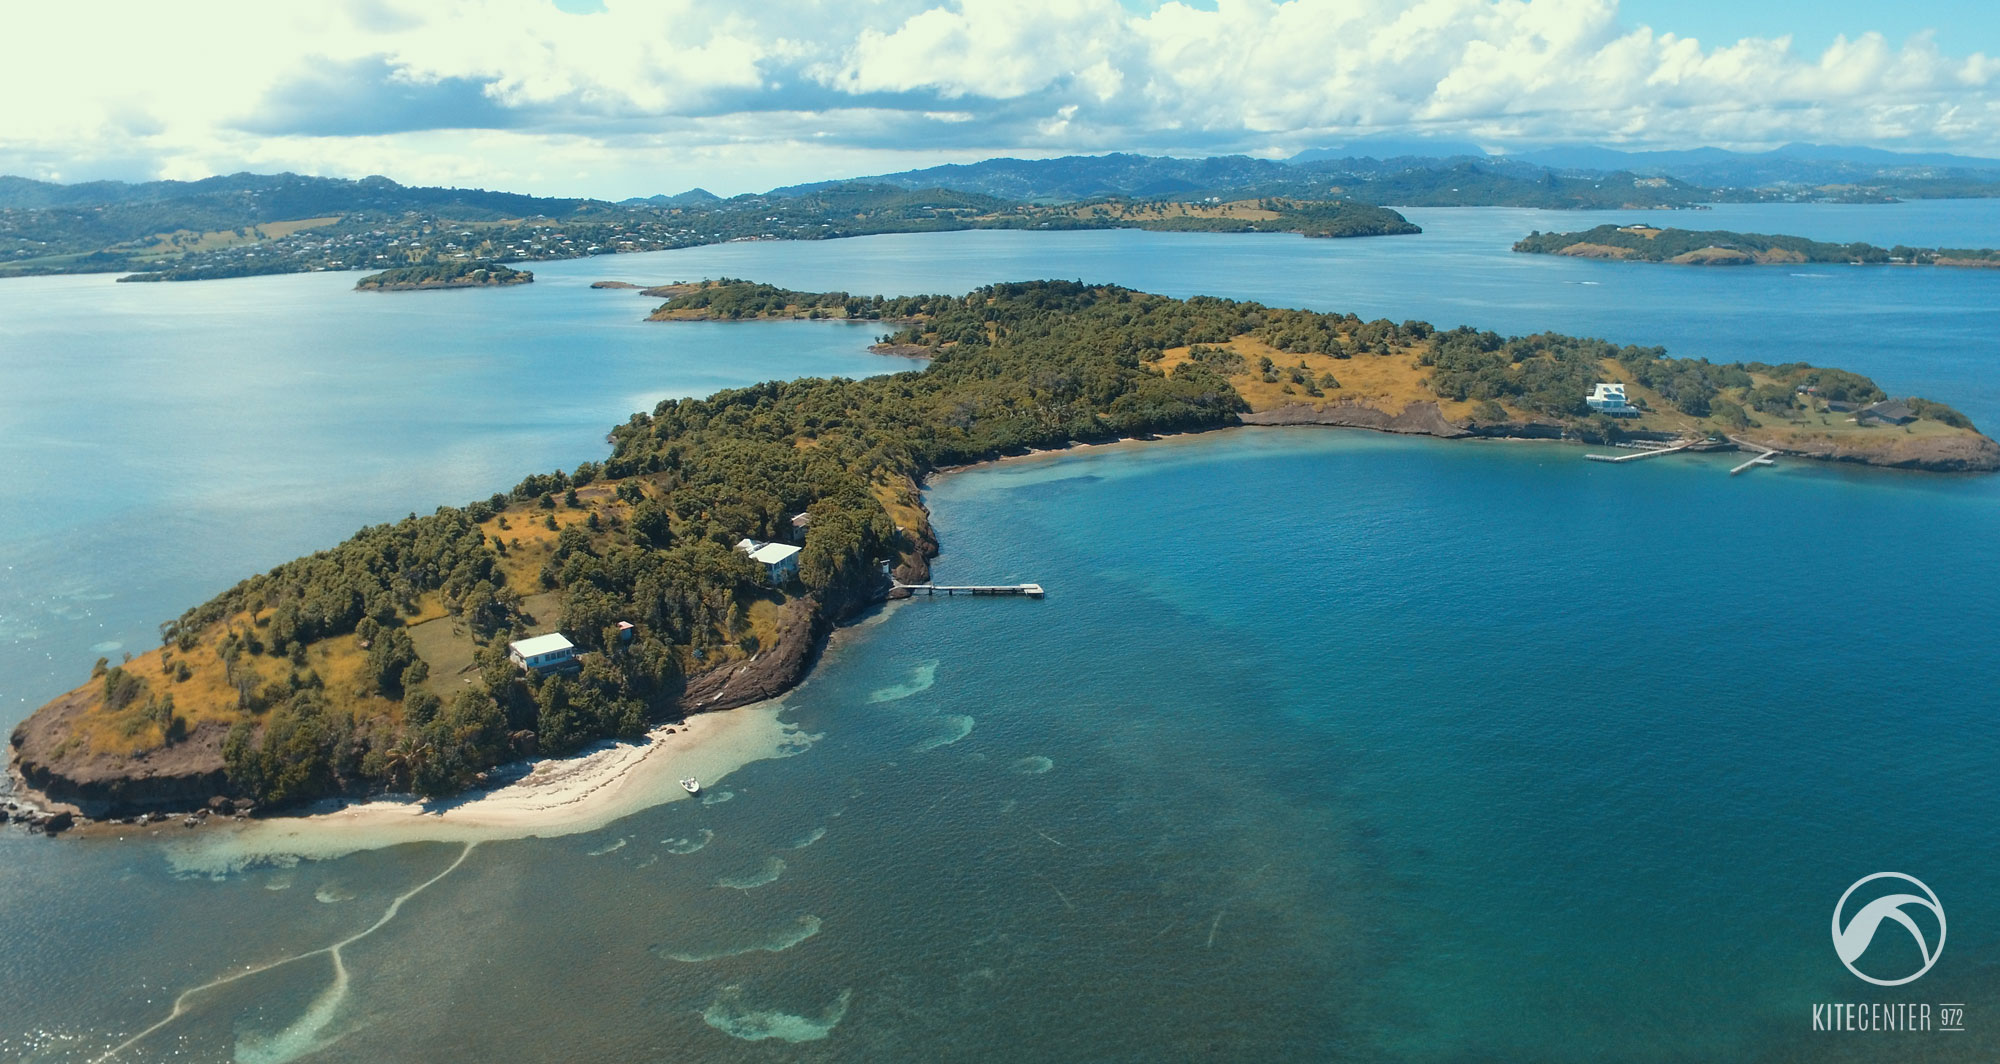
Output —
<point x="1762" y="459"/>
<point x="1029" y="590"/>
<point x="1654" y="452"/>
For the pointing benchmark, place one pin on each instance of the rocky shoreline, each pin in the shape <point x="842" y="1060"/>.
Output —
<point x="1934" y="454"/>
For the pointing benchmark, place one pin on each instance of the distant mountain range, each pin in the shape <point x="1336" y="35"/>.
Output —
<point x="1391" y="167"/>
<point x="1081" y="177"/>
<point x="241" y="224"/>
<point x="694" y="197"/>
<point x="277" y="197"/>
<point x="1359" y="169"/>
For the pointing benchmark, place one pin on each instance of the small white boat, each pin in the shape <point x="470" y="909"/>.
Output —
<point x="691" y="785"/>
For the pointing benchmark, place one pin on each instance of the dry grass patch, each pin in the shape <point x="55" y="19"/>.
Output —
<point x="189" y="240"/>
<point x="899" y="498"/>
<point x="205" y="696"/>
<point x="1587" y="250"/>
<point x="342" y="665"/>
<point x="543" y="607"/>
<point x="1388" y="382"/>
<point x="760" y="619"/>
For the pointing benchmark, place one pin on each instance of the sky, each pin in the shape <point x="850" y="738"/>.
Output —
<point x="616" y="98"/>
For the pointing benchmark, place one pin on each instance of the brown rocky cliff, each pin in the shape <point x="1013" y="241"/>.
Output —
<point x="181" y="776"/>
<point x="801" y="629"/>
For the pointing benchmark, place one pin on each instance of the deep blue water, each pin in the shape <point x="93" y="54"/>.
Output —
<point x="1324" y="745"/>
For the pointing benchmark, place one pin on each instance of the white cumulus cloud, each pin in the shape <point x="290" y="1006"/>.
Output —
<point x="649" y="95"/>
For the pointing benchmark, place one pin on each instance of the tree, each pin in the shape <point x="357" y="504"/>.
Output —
<point x="652" y="522"/>
<point x="390" y="656"/>
<point x="1731" y="415"/>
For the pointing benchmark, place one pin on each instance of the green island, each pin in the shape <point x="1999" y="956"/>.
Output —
<point x="382" y="663"/>
<point x="1719" y="247"/>
<point x="731" y="299"/>
<point x="446" y="274"/>
<point x="1306" y="217"/>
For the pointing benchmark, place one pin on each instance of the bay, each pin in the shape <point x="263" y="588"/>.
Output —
<point x="1324" y="745"/>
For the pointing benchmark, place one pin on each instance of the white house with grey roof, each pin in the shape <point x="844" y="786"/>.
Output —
<point x="780" y="560"/>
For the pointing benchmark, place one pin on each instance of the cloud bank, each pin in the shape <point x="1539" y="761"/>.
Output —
<point x="649" y="96"/>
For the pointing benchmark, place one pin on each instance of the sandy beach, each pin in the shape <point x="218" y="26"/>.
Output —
<point x="558" y="796"/>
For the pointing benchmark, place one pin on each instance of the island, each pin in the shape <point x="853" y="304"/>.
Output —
<point x="704" y="561"/>
<point x="1718" y="247"/>
<point x="451" y="273"/>
<point x="731" y="299"/>
<point x="1312" y="218"/>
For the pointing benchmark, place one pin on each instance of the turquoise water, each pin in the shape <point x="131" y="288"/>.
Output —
<point x="168" y="440"/>
<point x="1324" y="745"/>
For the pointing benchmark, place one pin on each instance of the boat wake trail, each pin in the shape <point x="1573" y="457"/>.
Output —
<point x="304" y="1035"/>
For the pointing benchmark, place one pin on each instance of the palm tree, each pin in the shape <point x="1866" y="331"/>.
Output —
<point x="408" y="759"/>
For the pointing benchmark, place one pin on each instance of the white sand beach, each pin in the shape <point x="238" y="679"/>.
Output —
<point x="558" y="796"/>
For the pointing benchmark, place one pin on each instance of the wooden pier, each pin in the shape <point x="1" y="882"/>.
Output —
<point x="1762" y="459"/>
<point x="1654" y="452"/>
<point x="1029" y="590"/>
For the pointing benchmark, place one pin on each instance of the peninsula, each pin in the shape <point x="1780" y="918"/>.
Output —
<point x="449" y="273"/>
<point x="1717" y="247"/>
<point x="250" y="224"/>
<point x="382" y="664"/>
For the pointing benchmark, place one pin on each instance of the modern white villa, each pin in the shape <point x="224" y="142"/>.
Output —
<point x="542" y="652"/>
<point x="1609" y="398"/>
<point x="780" y="560"/>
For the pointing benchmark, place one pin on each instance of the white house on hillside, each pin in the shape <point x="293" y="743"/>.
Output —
<point x="551" y="651"/>
<point x="780" y="560"/>
<point x="1609" y="398"/>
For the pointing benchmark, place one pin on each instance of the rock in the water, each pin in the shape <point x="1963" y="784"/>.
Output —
<point x="222" y="804"/>
<point x="57" y="823"/>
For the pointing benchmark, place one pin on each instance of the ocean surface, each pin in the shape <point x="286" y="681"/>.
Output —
<point x="1324" y="745"/>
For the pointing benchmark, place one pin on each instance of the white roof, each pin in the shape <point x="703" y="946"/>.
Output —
<point x="773" y="553"/>
<point x="541" y="644"/>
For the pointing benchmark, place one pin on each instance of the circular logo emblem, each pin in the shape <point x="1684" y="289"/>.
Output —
<point x="1853" y="940"/>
